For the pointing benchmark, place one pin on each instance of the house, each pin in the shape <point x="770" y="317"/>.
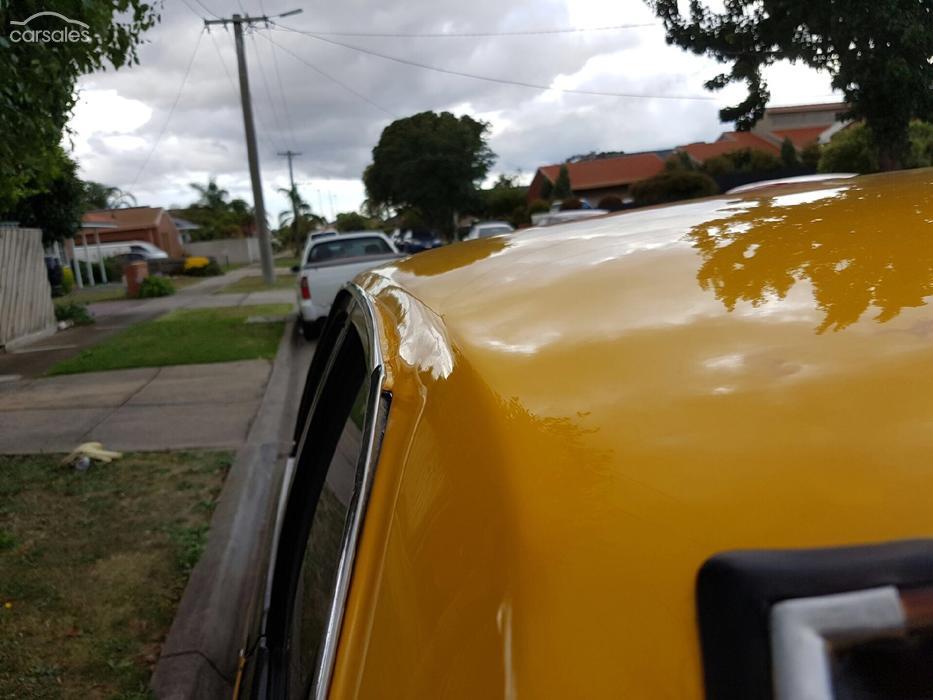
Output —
<point x="185" y="228"/>
<point x="802" y="124"/>
<point x="151" y="224"/>
<point x="594" y="179"/>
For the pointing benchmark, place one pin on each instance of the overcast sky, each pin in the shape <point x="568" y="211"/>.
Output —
<point x="120" y="115"/>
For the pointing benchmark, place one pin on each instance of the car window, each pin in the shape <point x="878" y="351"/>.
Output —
<point x="486" y="231"/>
<point x="335" y="249"/>
<point x="320" y="505"/>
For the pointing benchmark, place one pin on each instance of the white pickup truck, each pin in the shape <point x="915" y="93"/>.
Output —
<point x="330" y="262"/>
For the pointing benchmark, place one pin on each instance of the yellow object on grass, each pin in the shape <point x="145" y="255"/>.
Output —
<point x="195" y="262"/>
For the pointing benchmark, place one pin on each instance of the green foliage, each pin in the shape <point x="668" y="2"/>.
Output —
<point x="610" y="202"/>
<point x="520" y="216"/>
<point x="429" y="161"/>
<point x="502" y="200"/>
<point x="98" y="196"/>
<point x="877" y="53"/>
<point x="547" y="189"/>
<point x="297" y="222"/>
<point x="352" y="221"/>
<point x="538" y="206"/>
<point x="673" y="186"/>
<point x="215" y="216"/>
<point x="855" y="149"/>
<point x="562" y="184"/>
<point x="37" y="82"/>
<point x="571" y="204"/>
<point x="746" y="160"/>
<point x="680" y="160"/>
<point x="788" y="153"/>
<point x="55" y="201"/>
<point x="73" y="311"/>
<point x="810" y="156"/>
<point x="154" y="286"/>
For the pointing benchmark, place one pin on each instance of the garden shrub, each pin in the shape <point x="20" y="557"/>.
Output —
<point x="571" y="204"/>
<point x="73" y="311"/>
<point x="68" y="279"/>
<point x="610" y="202"/>
<point x="539" y="206"/>
<point x="673" y="186"/>
<point x="156" y="287"/>
<point x="199" y="266"/>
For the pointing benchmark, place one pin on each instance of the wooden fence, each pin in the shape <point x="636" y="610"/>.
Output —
<point x="25" y="294"/>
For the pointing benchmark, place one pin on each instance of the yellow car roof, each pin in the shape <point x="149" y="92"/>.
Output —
<point x="583" y="414"/>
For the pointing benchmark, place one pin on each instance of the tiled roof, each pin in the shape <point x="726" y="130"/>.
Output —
<point x="794" y="109"/>
<point x="607" y="172"/>
<point x="728" y="142"/>
<point x="803" y="136"/>
<point x="134" y="217"/>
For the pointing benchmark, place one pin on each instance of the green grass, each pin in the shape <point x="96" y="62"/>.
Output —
<point x="288" y="262"/>
<point x="245" y="285"/>
<point x="92" y="565"/>
<point x="184" y="337"/>
<point x="115" y="291"/>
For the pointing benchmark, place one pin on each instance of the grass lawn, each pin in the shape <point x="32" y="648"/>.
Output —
<point x="92" y="565"/>
<point x="288" y="262"/>
<point x="114" y="291"/>
<point x="245" y="285"/>
<point x="184" y="337"/>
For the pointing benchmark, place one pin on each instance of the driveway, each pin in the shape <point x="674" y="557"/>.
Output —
<point x="188" y="406"/>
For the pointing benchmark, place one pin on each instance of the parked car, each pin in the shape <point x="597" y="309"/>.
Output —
<point x="328" y="263"/>
<point x="419" y="239"/>
<point x="111" y="250"/>
<point x="488" y="228"/>
<point x="678" y="452"/>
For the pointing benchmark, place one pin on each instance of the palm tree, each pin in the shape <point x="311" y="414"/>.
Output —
<point x="295" y="227"/>
<point x="210" y="196"/>
<point x="99" y="196"/>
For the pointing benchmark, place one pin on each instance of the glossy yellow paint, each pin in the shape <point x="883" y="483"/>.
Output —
<point x="583" y="414"/>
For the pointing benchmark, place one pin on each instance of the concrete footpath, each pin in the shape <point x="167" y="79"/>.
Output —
<point x="151" y="408"/>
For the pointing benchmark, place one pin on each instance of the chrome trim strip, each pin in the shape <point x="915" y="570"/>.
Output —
<point x="360" y="311"/>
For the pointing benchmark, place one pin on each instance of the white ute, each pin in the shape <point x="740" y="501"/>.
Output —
<point x="328" y="264"/>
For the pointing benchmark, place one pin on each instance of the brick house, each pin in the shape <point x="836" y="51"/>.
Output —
<point x="151" y="224"/>
<point x="594" y="179"/>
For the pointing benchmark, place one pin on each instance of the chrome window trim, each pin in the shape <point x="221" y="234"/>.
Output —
<point x="362" y="315"/>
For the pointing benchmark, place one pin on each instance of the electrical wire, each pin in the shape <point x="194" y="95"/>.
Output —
<point x="477" y="35"/>
<point x="330" y="77"/>
<point x="265" y="85"/>
<point x="172" y="109"/>
<point x="490" y="79"/>
<point x="207" y="9"/>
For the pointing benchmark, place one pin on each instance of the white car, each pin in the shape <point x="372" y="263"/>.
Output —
<point x="111" y="250"/>
<point x="328" y="264"/>
<point x="488" y="228"/>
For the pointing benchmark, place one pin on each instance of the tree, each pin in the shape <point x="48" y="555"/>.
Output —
<point x="562" y="184"/>
<point x="429" y="161"/>
<point x="352" y="221"/>
<point x="57" y="206"/>
<point x="502" y="199"/>
<point x="210" y="196"/>
<point x="98" y="196"/>
<point x="854" y="150"/>
<point x="788" y="153"/>
<point x="215" y="216"/>
<point x="37" y="80"/>
<point x="877" y="53"/>
<point x="679" y="160"/>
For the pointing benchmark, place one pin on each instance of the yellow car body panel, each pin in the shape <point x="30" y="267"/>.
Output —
<point x="583" y="414"/>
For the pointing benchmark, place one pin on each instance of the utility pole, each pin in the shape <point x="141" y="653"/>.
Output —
<point x="291" y="177"/>
<point x="259" y="208"/>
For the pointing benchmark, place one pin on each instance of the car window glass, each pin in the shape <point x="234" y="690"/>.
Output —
<point x="347" y="248"/>
<point x="493" y="231"/>
<point x="322" y="494"/>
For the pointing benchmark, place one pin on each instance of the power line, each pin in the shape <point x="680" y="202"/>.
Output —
<point x="265" y="85"/>
<point x="489" y="79"/>
<point x="330" y="77"/>
<point x="171" y="110"/>
<point x="477" y="35"/>
<point x="278" y="77"/>
<point x="207" y="9"/>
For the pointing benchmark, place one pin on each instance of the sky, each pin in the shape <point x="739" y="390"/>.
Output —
<point x="330" y="103"/>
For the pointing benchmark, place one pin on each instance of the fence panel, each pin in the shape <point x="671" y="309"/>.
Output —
<point x="25" y="294"/>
